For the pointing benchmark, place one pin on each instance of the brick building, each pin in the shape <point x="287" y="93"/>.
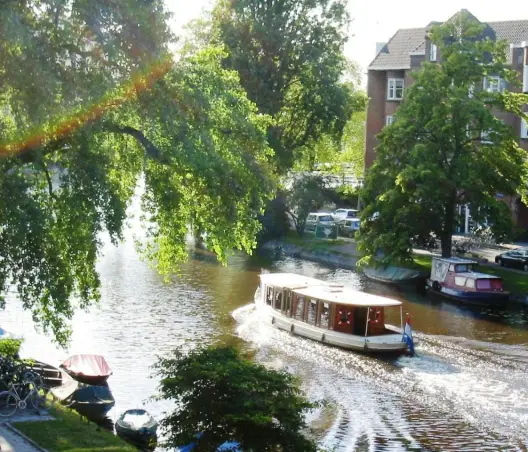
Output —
<point x="390" y="73"/>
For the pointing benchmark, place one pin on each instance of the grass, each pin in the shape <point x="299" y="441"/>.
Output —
<point x="516" y="283"/>
<point x="310" y="243"/>
<point x="69" y="433"/>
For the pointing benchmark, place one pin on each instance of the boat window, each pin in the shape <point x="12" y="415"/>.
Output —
<point x="451" y="268"/>
<point x="496" y="284"/>
<point x="286" y="307"/>
<point x="483" y="284"/>
<point x="269" y="295"/>
<point x="278" y="299"/>
<point x="299" y="309"/>
<point x="470" y="283"/>
<point x="460" y="281"/>
<point x="325" y="315"/>
<point x="312" y="312"/>
<point x="462" y="268"/>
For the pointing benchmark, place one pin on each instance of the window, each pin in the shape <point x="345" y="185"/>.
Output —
<point x="485" y="137"/>
<point x="287" y="303"/>
<point x="524" y="128"/>
<point x="494" y="84"/>
<point x="462" y="268"/>
<point x="460" y="281"/>
<point x="434" y="51"/>
<point x="326" y="218"/>
<point x="278" y="300"/>
<point x="299" y="309"/>
<point x="312" y="312"/>
<point x="483" y="284"/>
<point x="269" y="295"/>
<point x="325" y="316"/>
<point x="470" y="283"/>
<point x="389" y="120"/>
<point x="395" y="89"/>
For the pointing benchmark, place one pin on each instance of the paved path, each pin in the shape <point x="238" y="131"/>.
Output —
<point x="11" y="442"/>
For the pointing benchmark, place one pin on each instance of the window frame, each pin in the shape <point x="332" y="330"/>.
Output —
<point x="500" y="83"/>
<point x="395" y="80"/>
<point x="433" y="52"/>
<point x="389" y="119"/>
<point x="524" y="129"/>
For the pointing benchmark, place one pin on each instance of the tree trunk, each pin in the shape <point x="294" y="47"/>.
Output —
<point x="449" y="226"/>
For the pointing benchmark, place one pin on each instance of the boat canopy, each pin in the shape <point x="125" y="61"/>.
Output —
<point x="455" y="260"/>
<point x="333" y="293"/>
<point x="87" y="366"/>
<point x="477" y="275"/>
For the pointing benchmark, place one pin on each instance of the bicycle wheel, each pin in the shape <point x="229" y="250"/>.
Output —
<point x="30" y="375"/>
<point x="8" y="403"/>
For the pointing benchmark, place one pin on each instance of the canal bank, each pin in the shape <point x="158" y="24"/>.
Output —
<point x="344" y="254"/>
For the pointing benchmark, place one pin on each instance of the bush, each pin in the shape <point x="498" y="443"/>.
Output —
<point x="10" y="347"/>
<point x="221" y="396"/>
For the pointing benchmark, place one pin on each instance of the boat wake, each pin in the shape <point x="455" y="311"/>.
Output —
<point x="404" y="403"/>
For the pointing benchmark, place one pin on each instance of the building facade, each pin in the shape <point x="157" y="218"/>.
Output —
<point x="389" y="75"/>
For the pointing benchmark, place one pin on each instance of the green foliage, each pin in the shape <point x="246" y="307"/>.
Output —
<point x="10" y="347"/>
<point x="226" y="397"/>
<point x="289" y="56"/>
<point x="308" y="193"/>
<point x="91" y="104"/>
<point x="434" y="157"/>
<point x="275" y="221"/>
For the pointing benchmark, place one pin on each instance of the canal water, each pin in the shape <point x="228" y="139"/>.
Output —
<point x="466" y="390"/>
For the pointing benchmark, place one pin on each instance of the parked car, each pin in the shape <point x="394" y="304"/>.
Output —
<point x="517" y="258"/>
<point x="349" y="227"/>
<point x="344" y="214"/>
<point x="318" y="218"/>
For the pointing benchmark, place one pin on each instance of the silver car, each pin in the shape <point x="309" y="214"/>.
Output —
<point x="314" y="219"/>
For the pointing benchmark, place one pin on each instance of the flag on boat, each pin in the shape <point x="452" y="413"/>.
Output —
<point x="408" y="335"/>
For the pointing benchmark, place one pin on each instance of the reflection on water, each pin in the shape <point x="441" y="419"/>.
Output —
<point x="466" y="390"/>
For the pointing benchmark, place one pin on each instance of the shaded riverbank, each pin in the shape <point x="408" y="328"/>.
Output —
<point x="344" y="254"/>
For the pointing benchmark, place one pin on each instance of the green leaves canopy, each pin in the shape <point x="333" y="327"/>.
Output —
<point x="226" y="397"/>
<point x="289" y="56"/>
<point x="446" y="148"/>
<point x="90" y="103"/>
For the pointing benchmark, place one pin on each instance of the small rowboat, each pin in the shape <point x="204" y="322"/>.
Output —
<point x="89" y="369"/>
<point x="137" y="427"/>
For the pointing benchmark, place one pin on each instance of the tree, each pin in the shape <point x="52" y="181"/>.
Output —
<point x="308" y="193"/>
<point x="289" y="56"/>
<point x="225" y="397"/>
<point x="90" y="104"/>
<point x="446" y="148"/>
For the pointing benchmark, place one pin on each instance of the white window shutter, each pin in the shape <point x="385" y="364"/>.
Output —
<point x="502" y="86"/>
<point x="485" y="83"/>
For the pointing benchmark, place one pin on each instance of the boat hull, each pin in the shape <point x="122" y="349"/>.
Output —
<point x="388" y="343"/>
<point x="144" y="434"/>
<point x="474" y="298"/>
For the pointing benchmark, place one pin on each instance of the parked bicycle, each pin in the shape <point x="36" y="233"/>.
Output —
<point x="30" y="392"/>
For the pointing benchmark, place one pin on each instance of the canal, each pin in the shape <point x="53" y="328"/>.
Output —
<point x="466" y="390"/>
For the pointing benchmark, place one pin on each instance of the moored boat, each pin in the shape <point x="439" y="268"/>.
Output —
<point x="90" y="401"/>
<point x="394" y="275"/>
<point x="89" y="369"/>
<point x="330" y="313"/>
<point x="138" y="427"/>
<point x="457" y="279"/>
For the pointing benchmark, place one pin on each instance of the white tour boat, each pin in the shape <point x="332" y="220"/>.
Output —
<point x="331" y="313"/>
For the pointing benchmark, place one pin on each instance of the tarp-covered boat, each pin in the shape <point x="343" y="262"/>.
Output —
<point x="138" y="427"/>
<point x="90" y="369"/>
<point x="90" y="401"/>
<point x="394" y="275"/>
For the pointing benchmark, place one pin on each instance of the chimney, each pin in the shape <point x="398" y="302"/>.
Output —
<point x="379" y="46"/>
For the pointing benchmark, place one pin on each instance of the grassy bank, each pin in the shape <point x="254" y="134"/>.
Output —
<point x="516" y="283"/>
<point x="69" y="433"/>
<point x="309" y="243"/>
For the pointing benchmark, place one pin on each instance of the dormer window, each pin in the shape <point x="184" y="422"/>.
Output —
<point x="395" y="89"/>
<point x="434" y="51"/>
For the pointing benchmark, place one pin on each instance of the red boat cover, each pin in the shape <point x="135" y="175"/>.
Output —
<point x="87" y="365"/>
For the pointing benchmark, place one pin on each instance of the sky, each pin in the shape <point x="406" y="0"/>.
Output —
<point x="377" y="20"/>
